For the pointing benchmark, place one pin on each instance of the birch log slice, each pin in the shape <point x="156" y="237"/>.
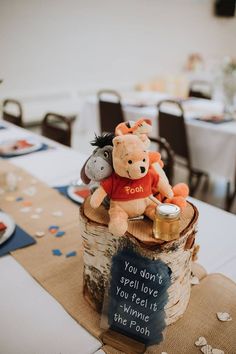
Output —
<point x="100" y="245"/>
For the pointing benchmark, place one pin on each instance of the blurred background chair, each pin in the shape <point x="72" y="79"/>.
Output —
<point x="58" y="128"/>
<point x="167" y="155"/>
<point x="172" y="127"/>
<point x="110" y="112"/>
<point x="230" y="195"/>
<point x="200" y="89"/>
<point x="12" y="112"/>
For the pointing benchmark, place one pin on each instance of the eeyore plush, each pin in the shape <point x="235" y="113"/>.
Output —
<point x="99" y="164"/>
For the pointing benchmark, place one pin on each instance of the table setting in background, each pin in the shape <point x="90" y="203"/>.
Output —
<point x="197" y="113"/>
<point x="50" y="218"/>
<point x="145" y="104"/>
<point x="14" y="148"/>
<point x="19" y="191"/>
<point x="12" y="236"/>
<point x="18" y="146"/>
<point x="76" y="191"/>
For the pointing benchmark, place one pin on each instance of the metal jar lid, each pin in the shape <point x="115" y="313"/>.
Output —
<point x="168" y="211"/>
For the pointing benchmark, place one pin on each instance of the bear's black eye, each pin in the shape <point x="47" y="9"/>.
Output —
<point x="130" y="161"/>
<point x="144" y="160"/>
<point x="106" y="154"/>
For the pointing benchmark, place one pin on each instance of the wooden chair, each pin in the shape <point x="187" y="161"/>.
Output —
<point x="58" y="128"/>
<point x="111" y="113"/>
<point x="200" y="89"/>
<point x="172" y="128"/>
<point x="167" y="155"/>
<point x="230" y="196"/>
<point x="17" y="118"/>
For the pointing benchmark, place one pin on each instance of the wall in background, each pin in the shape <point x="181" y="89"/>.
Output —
<point x="88" y="44"/>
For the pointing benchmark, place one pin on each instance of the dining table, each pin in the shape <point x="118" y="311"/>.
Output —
<point x="212" y="145"/>
<point x="32" y="320"/>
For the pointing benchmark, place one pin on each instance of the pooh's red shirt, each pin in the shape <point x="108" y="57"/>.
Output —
<point x="121" y="188"/>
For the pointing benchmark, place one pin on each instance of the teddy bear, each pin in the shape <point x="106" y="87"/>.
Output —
<point x="174" y="195"/>
<point x="142" y="128"/>
<point x="130" y="185"/>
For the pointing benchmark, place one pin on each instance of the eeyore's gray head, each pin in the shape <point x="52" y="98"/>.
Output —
<point x="99" y="165"/>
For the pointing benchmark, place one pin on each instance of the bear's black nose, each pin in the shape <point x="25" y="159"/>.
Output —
<point x="142" y="169"/>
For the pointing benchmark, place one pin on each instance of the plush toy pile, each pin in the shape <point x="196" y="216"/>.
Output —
<point x="128" y="173"/>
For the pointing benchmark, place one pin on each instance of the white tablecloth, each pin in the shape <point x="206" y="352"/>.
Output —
<point x="35" y="108"/>
<point x="212" y="146"/>
<point x="31" y="321"/>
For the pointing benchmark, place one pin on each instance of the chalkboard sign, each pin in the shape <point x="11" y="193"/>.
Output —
<point x="137" y="295"/>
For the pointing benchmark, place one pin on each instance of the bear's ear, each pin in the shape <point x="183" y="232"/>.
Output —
<point x="118" y="140"/>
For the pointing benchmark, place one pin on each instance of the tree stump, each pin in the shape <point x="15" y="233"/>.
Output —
<point x="100" y="245"/>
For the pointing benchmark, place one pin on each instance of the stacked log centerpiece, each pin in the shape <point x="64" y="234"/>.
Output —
<point x="100" y="246"/>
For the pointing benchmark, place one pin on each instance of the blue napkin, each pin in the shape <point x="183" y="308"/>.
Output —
<point x="62" y="190"/>
<point x="42" y="148"/>
<point x="19" y="239"/>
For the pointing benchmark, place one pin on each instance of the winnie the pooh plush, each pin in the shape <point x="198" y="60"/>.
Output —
<point x="165" y="193"/>
<point x="130" y="185"/>
<point x="142" y="128"/>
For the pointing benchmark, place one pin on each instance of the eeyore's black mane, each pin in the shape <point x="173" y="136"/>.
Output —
<point x="103" y="140"/>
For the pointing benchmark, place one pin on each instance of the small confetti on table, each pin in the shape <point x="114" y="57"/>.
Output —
<point x="38" y="210"/>
<point x="217" y="351"/>
<point x="27" y="203"/>
<point x="206" y="349"/>
<point x="224" y="316"/>
<point x="39" y="233"/>
<point x="56" y="252"/>
<point x="53" y="229"/>
<point x="35" y="216"/>
<point x="25" y="209"/>
<point x="201" y="341"/>
<point x="71" y="254"/>
<point x="19" y="199"/>
<point x="60" y="233"/>
<point x="57" y="213"/>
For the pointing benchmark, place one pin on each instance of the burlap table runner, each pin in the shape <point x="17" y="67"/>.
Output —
<point x="62" y="277"/>
<point x="215" y="293"/>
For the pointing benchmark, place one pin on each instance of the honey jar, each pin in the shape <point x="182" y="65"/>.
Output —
<point x="166" y="225"/>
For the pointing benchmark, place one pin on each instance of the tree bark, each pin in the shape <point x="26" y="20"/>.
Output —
<point x="100" y="245"/>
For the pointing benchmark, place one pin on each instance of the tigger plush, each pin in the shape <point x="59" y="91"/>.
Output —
<point x="141" y="128"/>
